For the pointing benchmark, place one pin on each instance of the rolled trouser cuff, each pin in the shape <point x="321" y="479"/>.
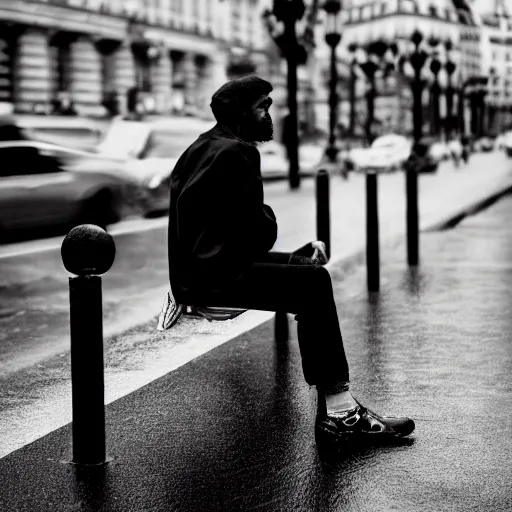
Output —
<point x="334" y="388"/>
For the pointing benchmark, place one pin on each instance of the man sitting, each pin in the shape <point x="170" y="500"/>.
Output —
<point x="220" y="239"/>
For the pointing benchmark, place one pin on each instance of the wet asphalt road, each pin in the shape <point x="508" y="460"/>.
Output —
<point x="233" y="429"/>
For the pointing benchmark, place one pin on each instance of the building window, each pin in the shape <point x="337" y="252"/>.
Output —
<point x="432" y="10"/>
<point x="7" y="49"/>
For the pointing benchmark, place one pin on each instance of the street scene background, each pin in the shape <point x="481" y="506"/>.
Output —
<point x="98" y="99"/>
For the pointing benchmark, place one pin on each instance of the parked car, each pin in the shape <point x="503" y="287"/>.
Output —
<point x="147" y="151"/>
<point x="274" y="163"/>
<point x="485" y="144"/>
<point x="68" y="131"/>
<point x="438" y="150"/>
<point x="43" y="185"/>
<point x="387" y="153"/>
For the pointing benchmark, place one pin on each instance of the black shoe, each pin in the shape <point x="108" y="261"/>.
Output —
<point x="359" y="422"/>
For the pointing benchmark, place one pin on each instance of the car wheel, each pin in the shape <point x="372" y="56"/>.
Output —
<point x="99" y="209"/>
<point x="509" y="152"/>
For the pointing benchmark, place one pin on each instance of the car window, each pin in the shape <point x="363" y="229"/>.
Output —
<point x="124" y="139"/>
<point x="76" y="137"/>
<point x="168" y="144"/>
<point x="20" y="161"/>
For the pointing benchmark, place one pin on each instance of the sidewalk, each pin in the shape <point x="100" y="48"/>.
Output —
<point x="233" y="429"/>
<point x="135" y="354"/>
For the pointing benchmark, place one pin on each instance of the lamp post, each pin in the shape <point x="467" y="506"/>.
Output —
<point x="376" y="60"/>
<point x="435" y="68"/>
<point x="477" y="92"/>
<point x="450" y="68"/>
<point x="281" y="24"/>
<point x="417" y="59"/>
<point x="491" y="104"/>
<point x="332" y="38"/>
<point x="353" y="78"/>
<point x="481" y="95"/>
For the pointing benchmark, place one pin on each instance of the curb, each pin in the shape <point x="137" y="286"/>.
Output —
<point x="471" y="209"/>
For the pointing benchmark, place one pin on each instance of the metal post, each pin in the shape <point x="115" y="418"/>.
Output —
<point x="372" y="216"/>
<point x="291" y="82"/>
<point x="332" y="150"/>
<point x="411" y="184"/>
<point x="352" y="122"/>
<point x="87" y="251"/>
<point x="372" y="233"/>
<point x="411" y="179"/>
<point x="461" y="111"/>
<point x="370" y="106"/>
<point x="450" y="127"/>
<point x="473" y="101"/>
<point x="86" y="319"/>
<point x="323" y="216"/>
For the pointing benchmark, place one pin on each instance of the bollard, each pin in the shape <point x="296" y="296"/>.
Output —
<point x="411" y="183"/>
<point x="372" y="233"/>
<point x="323" y="215"/>
<point x="87" y="251"/>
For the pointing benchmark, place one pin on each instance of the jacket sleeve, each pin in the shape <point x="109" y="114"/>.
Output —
<point x="252" y="222"/>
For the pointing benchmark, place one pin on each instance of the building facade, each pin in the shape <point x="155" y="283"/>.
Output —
<point x="497" y="65"/>
<point x="89" y="54"/>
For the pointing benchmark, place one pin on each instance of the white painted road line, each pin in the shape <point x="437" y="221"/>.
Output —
<point x="126" y="227"/>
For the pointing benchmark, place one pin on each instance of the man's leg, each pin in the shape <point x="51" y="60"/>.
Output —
<point x="306" y="290"/>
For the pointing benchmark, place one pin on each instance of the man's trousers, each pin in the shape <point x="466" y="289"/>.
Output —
<point x="288" y="282"/>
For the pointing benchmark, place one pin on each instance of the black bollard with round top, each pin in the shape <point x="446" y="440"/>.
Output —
<point x="87" y="251"/>
<point x="372" y="232"/>
<point x="323" y="210"/>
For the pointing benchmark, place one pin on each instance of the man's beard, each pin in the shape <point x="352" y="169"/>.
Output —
<point x="261" y="130"/>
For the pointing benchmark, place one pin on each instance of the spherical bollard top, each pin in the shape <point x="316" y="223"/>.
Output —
<point x="88" y="250"/>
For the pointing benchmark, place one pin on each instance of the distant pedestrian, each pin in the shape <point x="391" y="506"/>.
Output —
<point x="220" y="239"/>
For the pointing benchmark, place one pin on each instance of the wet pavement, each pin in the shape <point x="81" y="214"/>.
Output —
<point x="233" y="430"/>
<point x="34" y="308"/>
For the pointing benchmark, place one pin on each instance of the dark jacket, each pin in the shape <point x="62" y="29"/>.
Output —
<point x="218" y="224"/>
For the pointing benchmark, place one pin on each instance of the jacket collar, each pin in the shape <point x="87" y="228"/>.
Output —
<point x="220" y="131"/>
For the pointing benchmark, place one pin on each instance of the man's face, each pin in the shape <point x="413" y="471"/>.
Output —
<point x="258" y="126"/>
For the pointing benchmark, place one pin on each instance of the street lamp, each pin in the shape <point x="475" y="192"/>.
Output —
<point x="332" y="38"/>
<point x="376" y="60"/>
<point x="450" y="68"/>
<point x="281" y="24"/>
<point x="417" y="59"/>
<point x="491" y="104"/>
<point x="352" y="48"/>
<point x="435" y="90"/>
<point x="477" y="90"/>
